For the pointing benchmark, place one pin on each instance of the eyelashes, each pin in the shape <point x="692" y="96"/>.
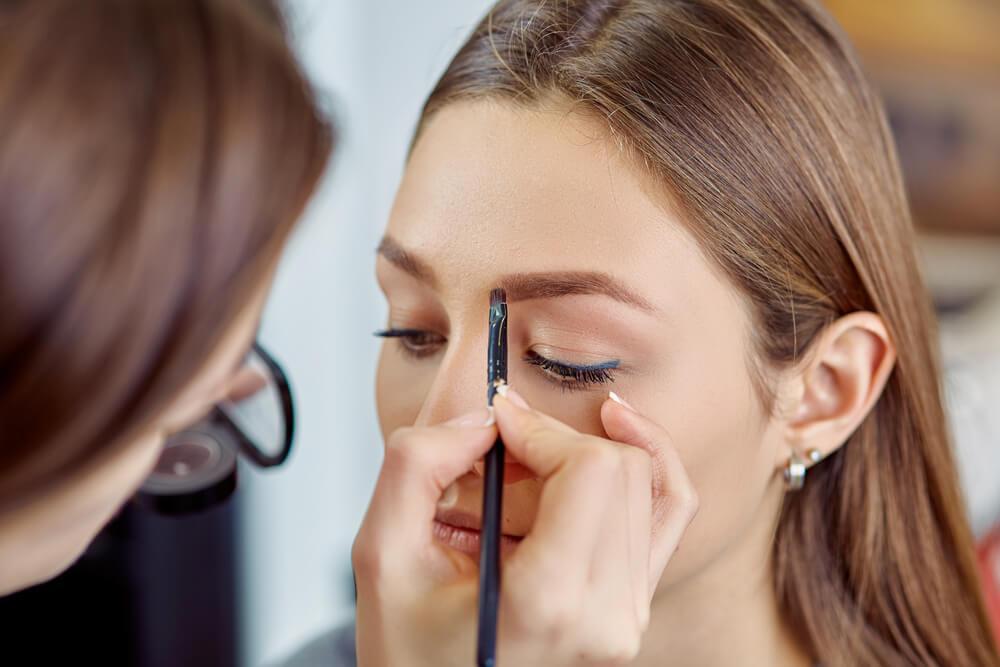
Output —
<point x="573" y="376"/>
<point x="420" y="344"/>
<point x="415" y="343"/>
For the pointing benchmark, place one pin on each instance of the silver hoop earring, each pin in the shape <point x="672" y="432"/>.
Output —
<point x="795" y="472"/>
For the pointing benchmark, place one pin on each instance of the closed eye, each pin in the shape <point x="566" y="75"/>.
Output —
<point x="415" y="343"/>
<point x="573" y="376"/>
<point x="421" y="344"/>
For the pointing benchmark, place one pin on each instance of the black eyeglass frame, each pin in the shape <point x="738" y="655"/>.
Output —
<point x="247" y="446"/>
<point x="166" y="496"/>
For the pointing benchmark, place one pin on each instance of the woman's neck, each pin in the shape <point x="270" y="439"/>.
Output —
<point x="725" y="615"/>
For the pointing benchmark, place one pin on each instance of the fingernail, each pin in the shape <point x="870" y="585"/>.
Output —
<point x="619" y="400"/>
<point x="511" y="395"/>
<point x="448" y="498"/>
<point x="476" y="418"/>
<point x="491" y="420"/>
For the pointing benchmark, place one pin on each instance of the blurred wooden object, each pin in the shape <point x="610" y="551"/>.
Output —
<point x="963" y="274"/>
<point x="960" y="33"/>
<point x="937" y="63"/>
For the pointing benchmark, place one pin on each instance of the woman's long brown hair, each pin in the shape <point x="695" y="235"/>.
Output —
<point x="154" y="156"/>
<point x="756" y="118"/>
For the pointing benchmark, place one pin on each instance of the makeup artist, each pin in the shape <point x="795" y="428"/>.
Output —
<point x="154" y="158"/>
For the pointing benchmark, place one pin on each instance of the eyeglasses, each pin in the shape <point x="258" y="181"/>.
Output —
<point x="197" y="467"/>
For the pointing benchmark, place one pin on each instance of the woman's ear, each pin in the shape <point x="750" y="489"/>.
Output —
<point x="844" y="375"/>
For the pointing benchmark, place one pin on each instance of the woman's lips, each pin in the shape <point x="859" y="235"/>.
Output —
<point x="460" y="531"/>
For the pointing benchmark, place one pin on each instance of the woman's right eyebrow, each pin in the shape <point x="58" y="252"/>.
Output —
<point x="526" y="286"/>
<point x="402" y="258"/>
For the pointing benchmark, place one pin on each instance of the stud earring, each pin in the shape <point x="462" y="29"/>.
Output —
<point x="815" y="456"/>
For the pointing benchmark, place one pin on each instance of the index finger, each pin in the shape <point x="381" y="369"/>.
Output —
<point x="580" y="472"/>
<point x="420" y="462"/>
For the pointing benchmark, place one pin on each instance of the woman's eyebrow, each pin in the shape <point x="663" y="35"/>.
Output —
<point x="554" y="284"/>
<point x="525" y="286"/>
<point x="402" y="258"/>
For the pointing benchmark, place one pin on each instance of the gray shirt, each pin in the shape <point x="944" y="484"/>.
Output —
<point x="331" y="649"/>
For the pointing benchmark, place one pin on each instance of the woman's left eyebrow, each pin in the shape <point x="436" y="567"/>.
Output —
<point x="551" y="285"/>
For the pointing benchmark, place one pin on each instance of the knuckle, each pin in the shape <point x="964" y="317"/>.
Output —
<point x="364" y="556"/>
<point x="555" y="615"/>
<point x="637" y="459"/>
<point x="532" y="443"/>
<point x="399" y="438"/>
<point x="643" y="618"/>
<point x="688" y="501"/>
<point x="553" y="612"/>
<point x="537" y="434"/>
<point x="402" y="449"/>
<point x="624" y="650"/>
<point x="540" y="438"/>
<point x="617" y="650"/>
<point x="627" y="649"/>
<point x="600" y="460"/>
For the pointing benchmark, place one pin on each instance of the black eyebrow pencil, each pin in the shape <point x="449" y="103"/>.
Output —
<point x="489" y="546"/>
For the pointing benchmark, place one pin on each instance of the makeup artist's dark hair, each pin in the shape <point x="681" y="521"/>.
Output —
<point x="756" y="118"/>
<point x="154" y="157"/>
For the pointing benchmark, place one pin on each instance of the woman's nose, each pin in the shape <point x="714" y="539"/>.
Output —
<point x="460" y="384"/>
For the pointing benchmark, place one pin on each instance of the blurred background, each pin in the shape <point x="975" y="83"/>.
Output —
<point x="249" y="582"/>
<point x="937" y="65"/>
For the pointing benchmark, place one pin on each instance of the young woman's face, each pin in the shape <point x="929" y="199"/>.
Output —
<point x="607" y="292"/>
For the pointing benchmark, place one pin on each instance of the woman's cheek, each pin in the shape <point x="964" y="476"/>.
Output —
<point x="720" y="438"/>
<point x="400" y="389"/>
<point x="581" y="410"/>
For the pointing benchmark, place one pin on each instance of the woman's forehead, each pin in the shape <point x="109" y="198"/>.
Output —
<point x="489" y="180"/>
